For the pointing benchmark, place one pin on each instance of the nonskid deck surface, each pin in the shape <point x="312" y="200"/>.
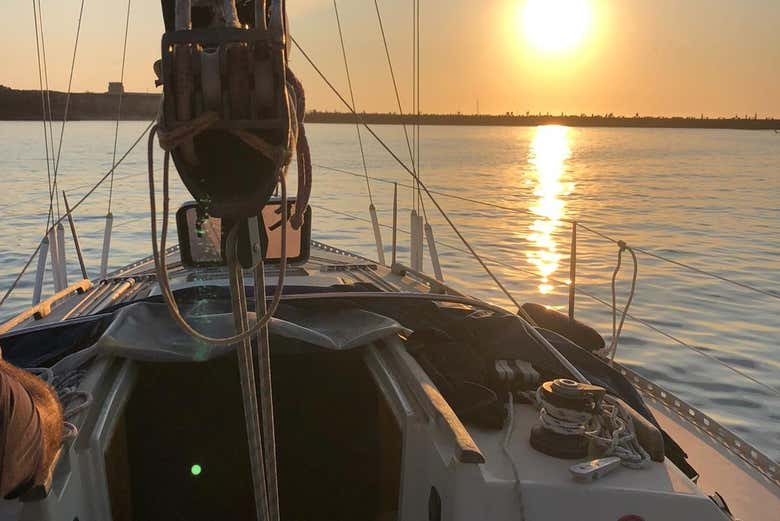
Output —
<point x="749" y="493"/>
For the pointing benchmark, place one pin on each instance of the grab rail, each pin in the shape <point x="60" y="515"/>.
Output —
<point x="466" y="449"/>
<point x="43" y="309"/>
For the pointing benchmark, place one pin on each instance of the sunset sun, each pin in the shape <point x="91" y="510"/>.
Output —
<point x="555" y="26"/>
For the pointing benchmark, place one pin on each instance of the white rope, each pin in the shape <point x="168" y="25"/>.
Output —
<point x="611" y="349"/>
<point x="510" y="427"/>
<point x="614" y="435"/>
<point x="562" y="421"/>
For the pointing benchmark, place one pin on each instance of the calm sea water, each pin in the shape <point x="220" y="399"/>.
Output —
<point x="710" y="198"/>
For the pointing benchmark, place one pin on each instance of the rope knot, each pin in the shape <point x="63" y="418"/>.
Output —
<point x="622" y="245"/>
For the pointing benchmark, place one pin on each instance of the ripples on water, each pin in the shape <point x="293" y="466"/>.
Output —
<point x="704" y="197"/>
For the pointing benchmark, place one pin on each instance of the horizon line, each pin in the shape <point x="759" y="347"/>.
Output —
<point x="507" y="114"/>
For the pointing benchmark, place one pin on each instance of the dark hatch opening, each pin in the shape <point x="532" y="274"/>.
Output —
<point x="338" y="445"/>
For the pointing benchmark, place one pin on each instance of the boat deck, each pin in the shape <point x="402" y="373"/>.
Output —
<point x="747" y="479"/>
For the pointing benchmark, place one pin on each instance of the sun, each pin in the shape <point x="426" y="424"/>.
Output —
<point x="555" y="26"/>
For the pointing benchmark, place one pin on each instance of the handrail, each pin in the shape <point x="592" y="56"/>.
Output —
<point x="466" y="449"/>
<point x="43" y="309"/>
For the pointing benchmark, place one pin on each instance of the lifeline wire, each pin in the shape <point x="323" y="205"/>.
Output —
<point x="594" y="231"/>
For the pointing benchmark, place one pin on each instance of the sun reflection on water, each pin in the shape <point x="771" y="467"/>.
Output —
<point x="548" y="155"/>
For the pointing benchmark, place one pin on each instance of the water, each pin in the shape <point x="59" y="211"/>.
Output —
<point x="704" y="197"/>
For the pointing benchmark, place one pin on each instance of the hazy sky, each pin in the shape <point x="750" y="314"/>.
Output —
<point x="717" y="57"/>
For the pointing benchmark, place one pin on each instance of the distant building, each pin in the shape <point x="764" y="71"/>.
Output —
<point x="116" y="87"/>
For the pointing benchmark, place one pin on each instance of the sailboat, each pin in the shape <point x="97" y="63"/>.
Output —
<point x="250" y="372"/>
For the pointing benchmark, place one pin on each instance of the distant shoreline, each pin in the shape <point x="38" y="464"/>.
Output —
<point x="25" y="105"/>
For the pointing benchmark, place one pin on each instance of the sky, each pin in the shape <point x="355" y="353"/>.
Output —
<point x="652" y="57"/>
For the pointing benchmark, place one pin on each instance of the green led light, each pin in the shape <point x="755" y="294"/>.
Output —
<point x="196" y="469"/>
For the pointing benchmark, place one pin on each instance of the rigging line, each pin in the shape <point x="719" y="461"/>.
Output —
<point x="127" y="175"/>
<point x="411" y="173"/>
<point x="51" y="114"/>
<point x="446" y="194"/>
<point x="684" y="265"/>
<point x="417" y="94"/>
<point x="67" y="99"/>
<point x="449" y="221"/>
<point x="395" y="84"/>
<point x="570" y="221"/>
<point x="639" y="320"/>
<point x="119" y="106"/>
<point x="43" y="111"/>
<point x="73" y="208"/>
<point x="352" y="97"/>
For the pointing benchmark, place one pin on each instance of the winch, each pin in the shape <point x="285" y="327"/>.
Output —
<point x="567" y="408"/>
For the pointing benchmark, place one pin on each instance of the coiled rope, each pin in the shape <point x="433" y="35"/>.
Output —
<point x="73" y="401"/>
<point x="610" y="429"/>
